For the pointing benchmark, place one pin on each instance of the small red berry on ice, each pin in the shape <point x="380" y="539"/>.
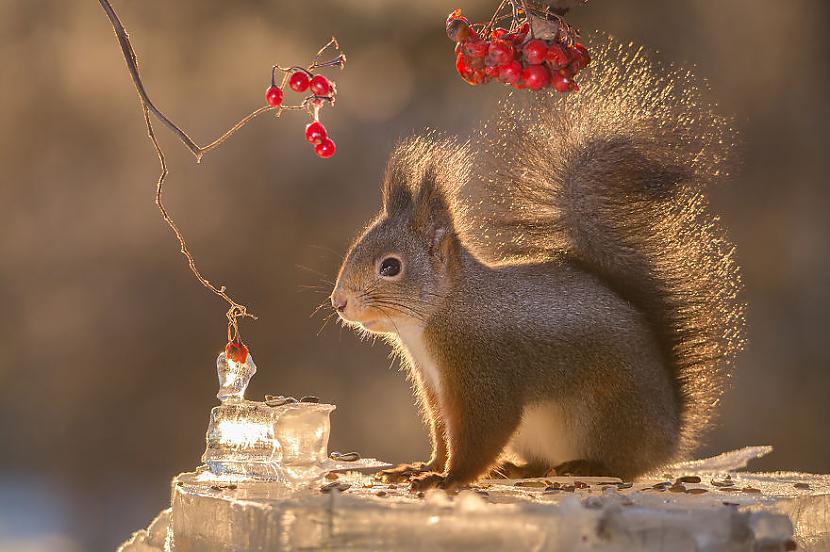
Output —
<point x="273" y="95"/>
<point x="298" y="82"/>
<point x="320" y="85"/>
<point x="510" y="73"/>
<point x="315" y="132"/>
<point x="325" y="149"/>
<point x="535" y="51"/>
<point x="536" y="77"/>
<point x="501" y="52"/>
<point x="236" y="352"/>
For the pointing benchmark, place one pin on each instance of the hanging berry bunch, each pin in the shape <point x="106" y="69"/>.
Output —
<point x="321" y="91"/>
<point x="521" y="46"/>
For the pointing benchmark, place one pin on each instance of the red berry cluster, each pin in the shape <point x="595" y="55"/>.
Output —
<point x="301" y="81"/>
<point x="322" y="90"/>
<point x="515" y="57"/>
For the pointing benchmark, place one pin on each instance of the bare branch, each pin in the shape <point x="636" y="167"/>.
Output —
<point x="310" y="104"/>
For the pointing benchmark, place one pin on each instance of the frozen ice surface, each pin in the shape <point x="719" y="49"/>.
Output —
<point x="728" y="461"/>
<point x="233" y="377"/>
<point x="605" y="515"/>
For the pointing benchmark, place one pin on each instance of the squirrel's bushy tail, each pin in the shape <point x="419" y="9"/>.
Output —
<point x="612" y="177"/>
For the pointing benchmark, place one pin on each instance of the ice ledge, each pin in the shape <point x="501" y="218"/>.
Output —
<point x="732" y="511"/>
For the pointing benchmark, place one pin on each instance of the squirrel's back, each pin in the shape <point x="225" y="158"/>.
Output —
<point x="612" y="178"/>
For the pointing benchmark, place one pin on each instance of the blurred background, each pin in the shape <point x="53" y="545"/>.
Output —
<point x="108" y="343"/>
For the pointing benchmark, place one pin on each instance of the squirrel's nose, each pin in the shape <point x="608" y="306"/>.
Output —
<point x="338" y="301"/>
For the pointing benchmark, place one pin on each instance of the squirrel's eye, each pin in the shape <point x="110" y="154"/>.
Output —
<point x="390" y="267"/>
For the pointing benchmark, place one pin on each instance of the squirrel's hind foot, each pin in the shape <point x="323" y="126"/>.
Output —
<point x="509" y="470"/>
<point x="404" y="472"/>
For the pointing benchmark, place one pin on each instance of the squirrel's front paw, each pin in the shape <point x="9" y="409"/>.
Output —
<point x="428" y="481"/>
<point x="403" y="472"/>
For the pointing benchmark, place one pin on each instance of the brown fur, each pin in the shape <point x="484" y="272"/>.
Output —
<point x="579" y="267"/>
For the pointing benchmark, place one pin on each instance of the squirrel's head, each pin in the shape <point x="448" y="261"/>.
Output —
<point x="402" y="265"/>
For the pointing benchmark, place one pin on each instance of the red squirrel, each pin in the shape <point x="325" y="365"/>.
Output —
<point x="557" y="288"/>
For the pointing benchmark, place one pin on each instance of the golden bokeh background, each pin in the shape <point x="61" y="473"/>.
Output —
<point x="108" y="343"/>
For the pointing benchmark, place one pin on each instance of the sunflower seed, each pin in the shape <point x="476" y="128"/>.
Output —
<point x="345" y="456"/>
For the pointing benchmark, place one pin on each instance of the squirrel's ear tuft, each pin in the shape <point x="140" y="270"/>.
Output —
<point x="397" y="196"/>
<point x="432" y="217"/>
<point x="422" y="177"/>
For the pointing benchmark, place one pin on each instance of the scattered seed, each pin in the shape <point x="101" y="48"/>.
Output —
<point x="697" y="491"/>
<point x="679" y="488"/>
<point x="310" y="399"/>
<point x="804" y="486"/>
<point x="278" y="400"/>
<point x="345" y="456"/>
<point x="581" y="485"/>
<point x="688" y="479"/>
<point x="529" y="484"/>
<point x="340" y="486"/>
<point x="216" y="488"/>
<point x="751" y="490"/>
<point x="381" y="493"/>
<point x="725" y="483"/>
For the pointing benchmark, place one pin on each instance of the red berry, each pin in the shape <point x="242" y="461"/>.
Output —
<point x="298" y="82"/>
<point x="315" y="132"/>
<point x="501" y="52"/>
<point x="458" y="30"/>
<point x="461" y="64"/>
<point x="520" y="35"/>
<point x="557" y="56"/>
<point x="476" y="48"/>
<point x="579" y="56"/>
<point x="536" y="77"/>
<point x="510" y="73"/>
<point x="236" y="352"/>
<point x="535" y="51"/>
<point x="325" y="149"/>
<point x="561" y="82"/>
<point x="498" y="33"/>
<point x="320" y="85"/>
<point x="273" y="95"/>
